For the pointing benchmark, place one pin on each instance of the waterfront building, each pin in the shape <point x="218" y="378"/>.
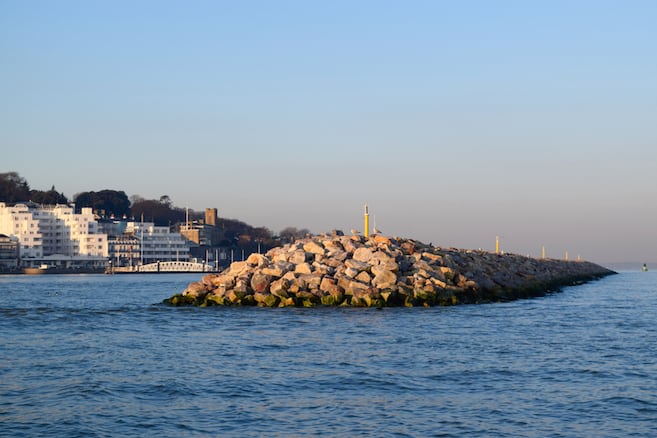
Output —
<point x="8" y="253"/>
<point x="204" y="233"/>
<point x="124" y="250"/>
<point x="112" y="227"/>
<point x="156" y="243"/>
<point x="17" y="221"/>
<point x="54" y="235"/>
<point x="199" y="233"/>
<point x="205" y="237"/>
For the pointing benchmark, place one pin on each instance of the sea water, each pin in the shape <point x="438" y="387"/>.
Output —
<point x="98" y="355"/>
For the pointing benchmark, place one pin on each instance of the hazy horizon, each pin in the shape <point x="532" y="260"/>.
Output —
<point x="455" y="121"/>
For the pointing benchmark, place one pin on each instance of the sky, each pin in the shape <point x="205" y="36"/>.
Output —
<point x="455" y="121"/>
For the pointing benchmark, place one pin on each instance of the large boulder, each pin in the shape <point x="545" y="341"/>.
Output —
<point x="196" y="290"/>
<point x="329" y="285"/>
<point x="257" y="260"/>
<point x="363" y="254"/>
<point x="385" y="261"/>
<point x="357" y="265"/>
<point x="303" y="268"/>
<point x="384" y="280"/>
<point x="279" y="287"/>
<point x="363" y="277"/>
<point x="224" y="281"/>
<point x="260" y="282"/>
<point x="299" y="256"/>
<point x="266" y="299"/>
<point x="314" y="248"/>
<point x="278" y="269"/>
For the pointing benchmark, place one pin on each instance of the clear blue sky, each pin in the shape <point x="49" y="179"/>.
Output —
<point x="455" y="120"/>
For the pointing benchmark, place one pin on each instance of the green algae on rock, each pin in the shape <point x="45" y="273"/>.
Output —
<point x="381" y="271"/>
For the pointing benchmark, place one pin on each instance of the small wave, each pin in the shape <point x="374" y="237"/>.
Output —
<point x="630" y="401"/>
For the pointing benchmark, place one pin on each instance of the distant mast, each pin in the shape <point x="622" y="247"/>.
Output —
<point x="366" y="218"/>
<point x="187" y="222"/>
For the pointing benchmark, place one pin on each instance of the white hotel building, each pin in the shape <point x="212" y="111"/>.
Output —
<point x="156" y="243"/>
<point x="132" y="244"/>
<point x="54" y="235"/>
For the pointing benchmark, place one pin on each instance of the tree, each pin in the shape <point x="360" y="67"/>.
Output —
<point x="13" y="188"/>
<point x="164" y="199"/>
<point x="106" y="202"/>
<point x="290" y="234"/>
<point x="51" y="197"/>
<point x="157" y="212"/>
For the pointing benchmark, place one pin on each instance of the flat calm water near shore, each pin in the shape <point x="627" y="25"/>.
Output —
<point x="97" y="355"/>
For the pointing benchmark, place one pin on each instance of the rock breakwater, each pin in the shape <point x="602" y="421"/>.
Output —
<point x="381" y="271"/>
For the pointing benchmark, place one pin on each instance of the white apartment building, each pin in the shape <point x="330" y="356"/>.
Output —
<point x="54" y="235"/>
<point x="157" y="243"/>
<point x="17" y="221"/>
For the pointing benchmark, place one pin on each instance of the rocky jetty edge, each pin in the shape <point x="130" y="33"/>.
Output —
<point x="380" y="271"/>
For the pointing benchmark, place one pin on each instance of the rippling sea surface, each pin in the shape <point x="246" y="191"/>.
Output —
<point x="97" y="355"/>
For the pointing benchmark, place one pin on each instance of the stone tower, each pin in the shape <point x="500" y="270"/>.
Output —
<point x="211" y="217"/>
